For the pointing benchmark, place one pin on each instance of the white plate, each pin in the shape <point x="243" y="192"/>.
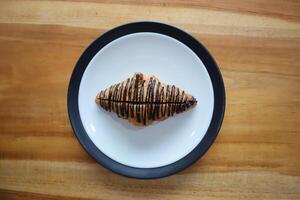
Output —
<point x="154" y="53"/>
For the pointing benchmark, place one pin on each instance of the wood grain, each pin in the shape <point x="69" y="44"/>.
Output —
<point x="257" y="46"/>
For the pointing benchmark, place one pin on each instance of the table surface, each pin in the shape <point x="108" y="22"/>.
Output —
<point x="257" y="46"/>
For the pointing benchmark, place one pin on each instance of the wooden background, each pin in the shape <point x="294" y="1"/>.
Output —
<point x="257" y="46"/>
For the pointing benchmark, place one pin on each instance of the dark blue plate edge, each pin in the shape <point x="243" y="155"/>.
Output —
<point x="198" y="151"/>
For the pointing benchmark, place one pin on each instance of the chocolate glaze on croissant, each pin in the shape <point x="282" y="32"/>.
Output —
<point x="144" y="99"/>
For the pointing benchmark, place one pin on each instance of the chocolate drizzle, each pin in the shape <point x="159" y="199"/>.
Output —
<point x="155" y="101"/>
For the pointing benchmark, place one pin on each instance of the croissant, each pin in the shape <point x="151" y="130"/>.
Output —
<point x="144" y="99"/>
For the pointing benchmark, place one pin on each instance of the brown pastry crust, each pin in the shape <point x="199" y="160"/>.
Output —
<point x="144" y="99"/>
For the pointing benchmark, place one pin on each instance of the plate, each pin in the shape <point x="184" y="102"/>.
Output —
<point x="173" y="56"/>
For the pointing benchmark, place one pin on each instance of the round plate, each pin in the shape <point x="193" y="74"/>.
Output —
<point x="174" y="57"/>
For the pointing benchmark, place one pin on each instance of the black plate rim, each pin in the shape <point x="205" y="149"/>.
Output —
<point x="198" y="49"/>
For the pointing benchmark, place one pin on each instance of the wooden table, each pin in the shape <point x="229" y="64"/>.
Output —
<point x="257" y="46"/>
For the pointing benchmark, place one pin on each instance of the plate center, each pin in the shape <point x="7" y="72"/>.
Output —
<point x="171" y="62"/>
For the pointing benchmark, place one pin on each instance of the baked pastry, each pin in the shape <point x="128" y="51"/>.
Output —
<point x="144" y="99"/>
